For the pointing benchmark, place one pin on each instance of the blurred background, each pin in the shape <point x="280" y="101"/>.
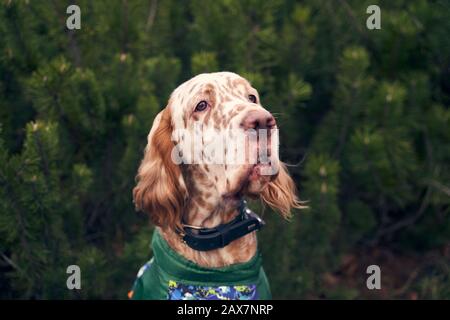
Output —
<point x="364" y="118"/>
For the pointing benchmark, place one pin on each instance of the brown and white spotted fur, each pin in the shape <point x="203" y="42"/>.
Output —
<point x="207" y="195"/>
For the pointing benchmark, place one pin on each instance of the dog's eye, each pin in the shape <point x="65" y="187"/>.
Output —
<point x="201" y="106"/>
<point x="252" y="98"/>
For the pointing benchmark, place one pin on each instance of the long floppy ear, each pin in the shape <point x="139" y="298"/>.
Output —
<point x="159" y="191"/>
<point x="281" y="193"/>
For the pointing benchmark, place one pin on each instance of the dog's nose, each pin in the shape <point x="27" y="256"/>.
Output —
<point x="258" y="119"/>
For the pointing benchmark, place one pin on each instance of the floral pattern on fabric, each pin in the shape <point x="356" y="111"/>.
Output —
<point x="180" y="291"/>
<point x="140" y="273"/>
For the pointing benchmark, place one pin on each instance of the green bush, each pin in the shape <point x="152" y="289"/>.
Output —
<point x="363" y="113"/>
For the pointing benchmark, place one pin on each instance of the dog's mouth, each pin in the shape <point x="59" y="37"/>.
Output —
<point x="254" y="177"/>
<point x="258" y="171"/>
<point x="251" y="182"/>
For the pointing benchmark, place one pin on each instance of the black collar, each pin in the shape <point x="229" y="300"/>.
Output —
<point x="205" y="239"/>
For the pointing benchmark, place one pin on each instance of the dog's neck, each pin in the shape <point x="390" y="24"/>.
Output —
<point x="209" y="213"/>
<point x="238" y="251"/>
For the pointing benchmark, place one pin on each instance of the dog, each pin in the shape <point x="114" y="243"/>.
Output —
<point x="200" y="247"/>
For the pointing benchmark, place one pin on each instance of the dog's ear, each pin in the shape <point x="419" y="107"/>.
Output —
<point x="159" y="192"/>
<point x="281" y="193"/>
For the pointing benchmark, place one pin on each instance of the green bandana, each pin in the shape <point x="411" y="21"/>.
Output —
<point x="168" y="275"/>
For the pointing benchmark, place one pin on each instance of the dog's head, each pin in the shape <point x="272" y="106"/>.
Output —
<point x="211" y="145"/>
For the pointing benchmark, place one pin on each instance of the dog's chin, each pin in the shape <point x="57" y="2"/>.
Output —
<point x="251" y="183"/>
<point x="257" y="181"/>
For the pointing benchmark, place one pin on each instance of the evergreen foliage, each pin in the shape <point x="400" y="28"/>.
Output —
<point x="363" y="113"/>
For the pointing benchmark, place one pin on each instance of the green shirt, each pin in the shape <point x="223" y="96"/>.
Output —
<point x="170" y="276"/>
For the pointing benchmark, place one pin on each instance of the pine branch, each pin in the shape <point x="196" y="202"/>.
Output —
<point x="10" y="262"/>
<point x="20" y="220"/>
<point x="346" y="125"/>
<point x="42" y="155"/>
<point x="404" y="222"/>
<point x="382" y="201"/>
<point x="151" y="15"/>
<point x="124" y="44"/>
<point x="354" y="20"/>
<point x="22" y="43"/>
<point x="439" y="186"/>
